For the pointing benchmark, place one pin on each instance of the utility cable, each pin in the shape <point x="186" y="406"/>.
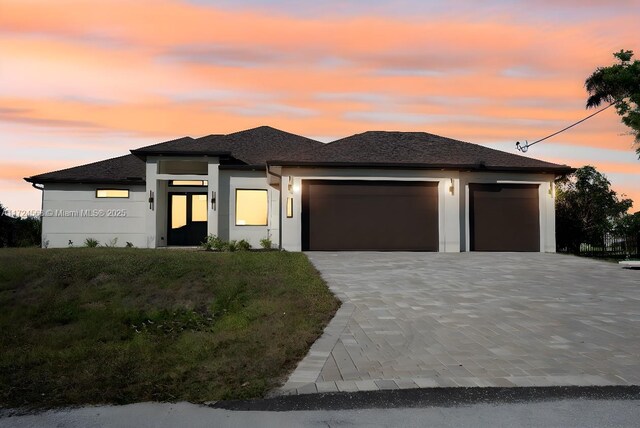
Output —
<point x="524" y="147"/>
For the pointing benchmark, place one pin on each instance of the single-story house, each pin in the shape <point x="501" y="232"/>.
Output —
<point x="381" y="191"/>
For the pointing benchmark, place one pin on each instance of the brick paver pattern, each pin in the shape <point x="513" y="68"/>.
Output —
<point x="413" y="320"/>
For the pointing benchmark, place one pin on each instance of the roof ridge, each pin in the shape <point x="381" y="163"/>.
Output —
<point x="186" y="137"/>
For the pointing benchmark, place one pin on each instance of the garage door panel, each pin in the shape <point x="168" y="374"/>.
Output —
<point x="504" y="217"/>
<point x="376" y="215"/>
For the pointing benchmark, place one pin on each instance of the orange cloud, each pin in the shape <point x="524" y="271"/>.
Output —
<point x="17" y="171"/>
<point x="167" y="68"/>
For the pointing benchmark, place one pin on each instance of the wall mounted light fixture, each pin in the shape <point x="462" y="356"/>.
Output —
<point x="213" y="200"/>
<point x="290" y="184"/>
<point x="451" y="186"/>
<point x="289" y="207"/>
<point x="151" y="199"/>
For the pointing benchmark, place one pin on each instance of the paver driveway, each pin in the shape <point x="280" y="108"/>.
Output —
<point x="474" y="319"/>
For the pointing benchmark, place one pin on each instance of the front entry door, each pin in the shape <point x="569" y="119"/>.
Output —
<point x="187" y="218"/>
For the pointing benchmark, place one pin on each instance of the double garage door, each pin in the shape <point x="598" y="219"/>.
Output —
<point x="361" y="215"/>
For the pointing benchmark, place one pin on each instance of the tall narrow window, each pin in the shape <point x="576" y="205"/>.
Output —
<point x="178" y="211"/>
<point x="112" y="193"/>
<point x="251" y="207"/>
<point x="199" y="208"/>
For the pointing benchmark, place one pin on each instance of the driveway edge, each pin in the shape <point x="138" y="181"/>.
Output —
<point x="304" y="377"/>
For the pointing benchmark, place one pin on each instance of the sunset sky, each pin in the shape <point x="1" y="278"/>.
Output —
<point x="82" y="81"/>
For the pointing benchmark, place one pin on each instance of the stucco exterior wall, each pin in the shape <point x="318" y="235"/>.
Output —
<point x="230" y="181"/>
<point x="134" y="220"/>
<point x="546" y="199"/>
<point x="157" y="184"/>
<point x="71" y="212"/>
<point x="453" y="189"/>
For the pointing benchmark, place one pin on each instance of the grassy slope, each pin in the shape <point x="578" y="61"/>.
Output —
<point x="120" y="325"/>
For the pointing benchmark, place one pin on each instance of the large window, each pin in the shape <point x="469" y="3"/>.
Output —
<point x="251" y="207"/>
<point x="112" y="193"/>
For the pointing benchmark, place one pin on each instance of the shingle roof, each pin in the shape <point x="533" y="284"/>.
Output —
<point x="252" y="146"/>
<point x="414" y="149"/>
<point x="258" y="146"/>
<point x="123" y="169"/>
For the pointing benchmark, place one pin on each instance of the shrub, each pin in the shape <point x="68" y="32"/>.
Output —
<point x="232" y="246"/>
<point x="111" y="244"/>
<point x="243" y="245"/>
<point x="129" y="245"/>
<point x="91" y="243"/>
<point x="266" y="243"/>
<point x="212" y="242"/>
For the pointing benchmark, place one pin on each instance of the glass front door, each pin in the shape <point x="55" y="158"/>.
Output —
<point x="187" y="218"/>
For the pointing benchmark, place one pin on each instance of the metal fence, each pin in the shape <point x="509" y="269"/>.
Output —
<point x="612" y="246"/>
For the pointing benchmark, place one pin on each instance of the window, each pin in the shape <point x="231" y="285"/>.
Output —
<point x="195" y="183"/>
<point x="112" y="193"/>
<point x="251" y="207"/>
<point x="178" y="211"/>
<point x="199" y="208"/>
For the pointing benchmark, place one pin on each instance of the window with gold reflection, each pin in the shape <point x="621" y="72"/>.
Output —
<point x="178" y="211"/>
<point x="199" y="208"/>
<point x="251" y="207"/>
<point x="112" y="193"/>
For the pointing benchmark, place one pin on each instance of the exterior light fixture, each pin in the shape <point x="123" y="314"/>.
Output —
<point x="290" y="186"/>
<point x="151" y="199"/>
<point x="451" y="187"/>
<point x="213" y="200"/>
<point x="289" y="207"/>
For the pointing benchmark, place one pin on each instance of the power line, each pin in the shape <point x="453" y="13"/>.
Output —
<point x="524" y="147"/>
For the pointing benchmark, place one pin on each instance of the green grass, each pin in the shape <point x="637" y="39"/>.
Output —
<point x="106" y="325"/>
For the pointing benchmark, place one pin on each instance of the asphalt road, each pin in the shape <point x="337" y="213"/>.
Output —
<point x="542" y="408"/>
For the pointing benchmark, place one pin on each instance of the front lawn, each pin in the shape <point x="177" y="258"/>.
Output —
<point x="106" y="325"/>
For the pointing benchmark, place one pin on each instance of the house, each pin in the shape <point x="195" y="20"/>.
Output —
<point x="382" y="191"/>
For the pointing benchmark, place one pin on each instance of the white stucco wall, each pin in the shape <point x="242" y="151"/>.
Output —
<point x="72" y="212"/>
<point x="452" y="206"/>
<point x="546" y="201"/>
<point x="448" y="204"/>
<point x="156" y="217"/>
<point x="133" y="220"/>
<point x="230" y="181"/>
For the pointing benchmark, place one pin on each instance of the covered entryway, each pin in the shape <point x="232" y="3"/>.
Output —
<point x="187" y="220"/>
<point x="369" y="215"/>
<point x="504" y="217"/>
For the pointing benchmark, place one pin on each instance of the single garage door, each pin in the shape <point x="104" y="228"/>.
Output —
<point x="504" y="217"/>
<point x="369" y="215"/>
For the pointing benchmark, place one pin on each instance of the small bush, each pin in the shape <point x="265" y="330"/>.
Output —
<point x="91" y="243"/>
<point x="266" y="243"/>
<point x="214" y="243"/>
<point x="112" y="244"/>
<point x="243" y="245"/>
<point x="129" y="245"/>
<point x="232" y="246"/>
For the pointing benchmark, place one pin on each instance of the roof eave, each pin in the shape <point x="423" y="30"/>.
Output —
<point x="36" y="180"/>
<point x="563" y="169"/>
<point x="181" y="153"/>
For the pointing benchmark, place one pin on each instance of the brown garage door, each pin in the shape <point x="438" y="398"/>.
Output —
<point x="369" y="215"/>
<point x="504" y="217"/>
